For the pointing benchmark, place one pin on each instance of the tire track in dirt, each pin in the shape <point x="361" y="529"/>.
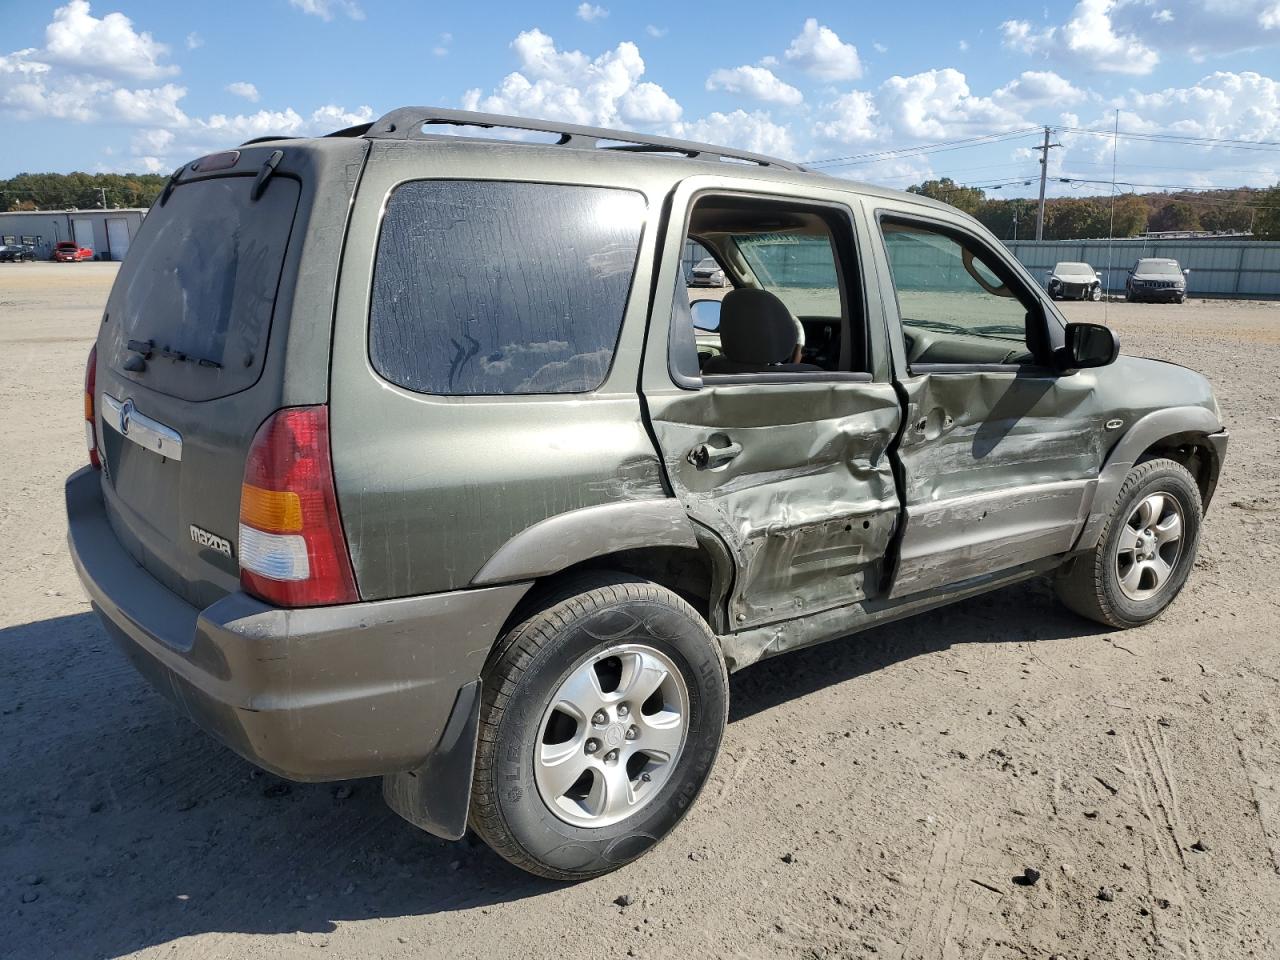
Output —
<point x="1146" y="776"/>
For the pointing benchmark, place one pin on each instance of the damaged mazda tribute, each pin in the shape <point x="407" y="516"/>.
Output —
<point x="414" y="456"/>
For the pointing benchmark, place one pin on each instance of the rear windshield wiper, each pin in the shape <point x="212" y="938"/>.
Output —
<point x="147" y="348"/>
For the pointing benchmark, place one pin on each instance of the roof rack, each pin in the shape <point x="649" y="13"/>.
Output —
<point x="410" y="123"/>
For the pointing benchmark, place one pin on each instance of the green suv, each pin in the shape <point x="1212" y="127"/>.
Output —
<point x="411" y="460"/>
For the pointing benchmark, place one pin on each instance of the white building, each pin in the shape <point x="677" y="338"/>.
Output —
<point x="107" y="233"/>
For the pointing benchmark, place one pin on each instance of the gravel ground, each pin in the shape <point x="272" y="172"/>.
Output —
<point x="996" y="780"/>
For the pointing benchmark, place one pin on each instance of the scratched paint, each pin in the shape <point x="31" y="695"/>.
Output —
<point x="809" y="507"/>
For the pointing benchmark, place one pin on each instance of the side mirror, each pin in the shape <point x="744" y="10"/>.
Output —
<point x="1090" y="345"/>
<point x="1186" y="272"/>
<point x="706" y="315"/>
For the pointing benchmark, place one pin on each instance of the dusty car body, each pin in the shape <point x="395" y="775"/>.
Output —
<point x="1074" y="281"/>
<point x="1156" y="280"/>
<point x="503" y="550"/>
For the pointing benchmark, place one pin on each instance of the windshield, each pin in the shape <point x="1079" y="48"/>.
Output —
<point x="799" y="270"/>
<point x="1073" y="270"/>
<point x="1161" y="268"/>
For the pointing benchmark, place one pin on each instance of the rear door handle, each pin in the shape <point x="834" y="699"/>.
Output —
<point x="704" y="455"/>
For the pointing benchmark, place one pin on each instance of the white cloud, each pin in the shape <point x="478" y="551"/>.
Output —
<point x="821" y="53"/>
<point x="1039" y="88"/>
<point x="656" y="32"/>
<point x="104" y="47"/>
<point x="194" y="41"/>
<point x="850" y="118"/>
<point x="570" y="85"/>
<point x="591" y="12"/>
<point x="937" y="104"/>
<point x="158" y="105"/>
<point x="649" y="105"/>
<point x="1199" y="28"/>
<point x="755" y="132"/>
<point x="879" y="47"/>
<point x="1089" y="39"/>
<point x="328" y="9"/>
<point x="243" y="89"/>
<point x="963" y="45"/>
<point x="441" y="49"/>
<point x="756" y="82"/>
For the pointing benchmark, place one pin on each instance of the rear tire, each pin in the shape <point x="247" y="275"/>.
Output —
<point x="1145" y="552"/>
<point x="600" y="722"/>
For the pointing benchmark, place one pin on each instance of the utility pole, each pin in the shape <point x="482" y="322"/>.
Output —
<point x="1044" y="175"/>
<point x="103" y="191"/>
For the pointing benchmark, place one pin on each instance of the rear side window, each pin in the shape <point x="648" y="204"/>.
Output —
<point x="486" y="288"/>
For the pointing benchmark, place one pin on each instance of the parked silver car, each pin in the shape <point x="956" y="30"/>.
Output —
<point x="1074" y="281"/>
<point x="706" y="273"/>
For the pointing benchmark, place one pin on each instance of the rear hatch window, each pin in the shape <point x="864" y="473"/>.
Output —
<point x="198" y="288"/>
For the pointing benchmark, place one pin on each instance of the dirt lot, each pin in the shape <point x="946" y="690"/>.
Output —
<point x="875" y="797"/>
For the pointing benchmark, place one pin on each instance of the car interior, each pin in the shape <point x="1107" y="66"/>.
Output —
<point x="958" y="304"/>
<point x="789" y="310"/>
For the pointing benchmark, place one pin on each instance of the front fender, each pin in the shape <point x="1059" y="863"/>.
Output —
<point x="1145" y="433"/>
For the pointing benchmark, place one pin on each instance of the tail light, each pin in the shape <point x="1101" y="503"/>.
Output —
<point x="90" y="390"/>
<point x="292" y="549"/>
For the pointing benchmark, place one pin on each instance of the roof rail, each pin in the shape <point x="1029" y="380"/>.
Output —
<point x="409" y="123"/>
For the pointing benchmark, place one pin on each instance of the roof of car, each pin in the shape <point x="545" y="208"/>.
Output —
<point x="622" y="146"/>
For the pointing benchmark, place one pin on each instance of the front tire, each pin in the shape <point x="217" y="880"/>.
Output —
<point x="1145" y="552"/>
<point x="1095" y="293"/>
<point x="601" y="719"/>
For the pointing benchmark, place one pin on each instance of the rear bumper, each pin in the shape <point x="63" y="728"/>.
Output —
<point x="313" y="694"/>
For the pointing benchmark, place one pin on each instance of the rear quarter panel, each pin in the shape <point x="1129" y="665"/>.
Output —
<point x="430" y="487"/>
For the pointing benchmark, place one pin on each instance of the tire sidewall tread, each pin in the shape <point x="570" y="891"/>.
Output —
<point x="1090" y="585"/>
<point x="525" y="668"/>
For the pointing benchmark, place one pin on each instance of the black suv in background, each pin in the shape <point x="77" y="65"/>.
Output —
<point x="1156" y="280"/>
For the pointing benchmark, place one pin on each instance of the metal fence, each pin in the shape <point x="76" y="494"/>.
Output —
<point x="1219" y="268"/>
<point x="1245" y="269"/>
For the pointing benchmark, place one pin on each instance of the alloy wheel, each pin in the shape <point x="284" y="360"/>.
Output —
<point x="612" y="735"/>
<point x="1149" y="546"/>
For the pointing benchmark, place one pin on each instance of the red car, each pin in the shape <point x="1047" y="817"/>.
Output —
<point x="70" y="252"/>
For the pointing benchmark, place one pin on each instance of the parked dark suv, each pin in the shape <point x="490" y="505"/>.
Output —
<point x="1156" y="279"/>
<point x="407" y="459"/>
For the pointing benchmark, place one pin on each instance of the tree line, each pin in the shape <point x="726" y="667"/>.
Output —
<point x="85" y="191"/>
<point x="1065" y="218"/>
<point x="1090" y="218"/>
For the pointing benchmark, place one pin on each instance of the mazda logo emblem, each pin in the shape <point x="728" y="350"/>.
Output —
<point x="126" y="414"/>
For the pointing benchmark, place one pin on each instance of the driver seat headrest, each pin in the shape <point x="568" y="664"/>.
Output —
<point x="757" y="327"/>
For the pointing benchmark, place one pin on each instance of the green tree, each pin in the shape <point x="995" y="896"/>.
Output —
<point x="1266" y="225"/>
<point x="947" y="190"/>
<point x="1178" y="215"/>
<point x="58" y="191"/>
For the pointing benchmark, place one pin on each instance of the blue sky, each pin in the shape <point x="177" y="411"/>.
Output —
<point x="124" y="85"/>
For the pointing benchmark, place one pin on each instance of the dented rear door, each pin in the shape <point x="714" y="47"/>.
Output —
<point x="806" y="504"/>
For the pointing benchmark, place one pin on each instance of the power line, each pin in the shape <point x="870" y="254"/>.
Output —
<point x="921" y="149"/>
<point x="1265" y="146"/>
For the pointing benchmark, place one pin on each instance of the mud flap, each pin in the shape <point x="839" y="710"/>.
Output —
<point x="435" y="796"/>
